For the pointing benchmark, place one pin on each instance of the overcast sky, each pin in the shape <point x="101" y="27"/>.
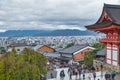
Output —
<point x="50" y="14"/>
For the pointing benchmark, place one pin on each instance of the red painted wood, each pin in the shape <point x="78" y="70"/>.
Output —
<point x="112" y="39"/>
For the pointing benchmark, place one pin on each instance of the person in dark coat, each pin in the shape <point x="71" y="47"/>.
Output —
<point x="94" y="75"/>
<point x="70" y="73"/>
<point x="83" y="72"/>
<point x="62" y="75"/>
<point x="80" y="71"/>
<point x="107" y="76"/>
<point x="51" y="74"/>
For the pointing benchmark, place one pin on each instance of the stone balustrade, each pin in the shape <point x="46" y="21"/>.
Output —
<point x="106" y="67"/>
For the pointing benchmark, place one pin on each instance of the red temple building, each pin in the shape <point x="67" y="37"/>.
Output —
<point x="109" y="24"/>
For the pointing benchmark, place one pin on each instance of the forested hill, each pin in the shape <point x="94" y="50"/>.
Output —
<point x="65" y="32"/>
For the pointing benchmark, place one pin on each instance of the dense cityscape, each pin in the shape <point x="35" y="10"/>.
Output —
<point x="59" y="40"/>
<point x="55" y="42"/>
<point x="59" y="60"/>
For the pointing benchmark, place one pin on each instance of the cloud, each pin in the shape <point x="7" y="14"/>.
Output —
<point x="2" y="23"/>
<point x="2" y="30"/>
<point x="50" y="14"/>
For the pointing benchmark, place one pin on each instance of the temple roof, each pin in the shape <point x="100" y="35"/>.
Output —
<point x="100" y="25"/>
<point x="113" y="12"/>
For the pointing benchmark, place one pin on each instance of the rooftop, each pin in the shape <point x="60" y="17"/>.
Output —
<point x="113" y="17"/>
<point x="73" y="49"/>
<point x="18" y="45"/>
<point x="101" y="52"/>
<point x="113" y="12"/>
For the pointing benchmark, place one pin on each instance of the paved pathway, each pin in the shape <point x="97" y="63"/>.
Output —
<point x="117" y="77"/>
<point x="98" y="74"/>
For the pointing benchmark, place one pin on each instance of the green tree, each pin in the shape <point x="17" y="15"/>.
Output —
<point x="69" y="45"/>
<point x="88" y="59"/>
<point x="98" y="46"/>
<point x="2" y="50"/>
<point x="28" y="65"/>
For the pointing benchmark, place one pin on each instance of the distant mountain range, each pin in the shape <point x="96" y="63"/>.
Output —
<point x="65" y="32"/>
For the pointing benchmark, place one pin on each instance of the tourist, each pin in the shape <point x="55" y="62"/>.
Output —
<point x="73" y="71"/>
<point x="51" y="74"/>
<point x="62" y="75"/>
<point x="107" y="76"/>
<point x="89" y="76"/>
<point x="101" y="66"/>
<point x="113" y="74"/>
<point x="83" y="72"/>
<point x="70" y="72"/>
<point x="80" y="71"/>
<point x="94" y="75"/>
<point x="76" y="72"/>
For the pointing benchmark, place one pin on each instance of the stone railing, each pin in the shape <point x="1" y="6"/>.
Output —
<point x="106" y="67"/>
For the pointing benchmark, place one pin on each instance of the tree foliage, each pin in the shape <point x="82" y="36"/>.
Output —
<point x="88" y="59"/>
<point x="2" y="50"/>
<point x="69" y="45"/>
<point x="28" y="65"/>
<point x="98" y="46"/>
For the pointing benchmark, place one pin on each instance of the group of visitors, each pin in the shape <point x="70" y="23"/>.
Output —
<point x="78" y="72"/>
<point x="71" y="72"/>
<point x="75" y="70"/>
<point x="111" y="76"/>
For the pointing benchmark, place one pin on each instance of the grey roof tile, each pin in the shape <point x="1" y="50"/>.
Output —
<point x="18" y="44"/>
<point x="101" y="52"/>
<point x="114" y="12"/>
<point x="53" y="55"/>
<point x="73" y="49"/>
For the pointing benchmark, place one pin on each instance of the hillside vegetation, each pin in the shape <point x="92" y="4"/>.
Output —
<point x="28" y="65"/>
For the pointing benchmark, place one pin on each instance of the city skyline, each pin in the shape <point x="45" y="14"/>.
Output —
<point x="49" y="14"/>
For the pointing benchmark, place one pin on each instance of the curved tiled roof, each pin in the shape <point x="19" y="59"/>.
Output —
<point x="113" y="11"/>
<point x="100" y="25"/>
